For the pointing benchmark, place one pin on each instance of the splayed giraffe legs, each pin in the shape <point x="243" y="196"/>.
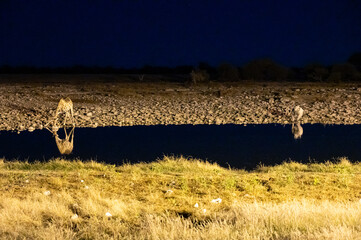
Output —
<point x="65" y="106"/>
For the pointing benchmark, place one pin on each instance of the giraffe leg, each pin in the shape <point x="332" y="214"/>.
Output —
<point x="66" y="134"/>
<point x="56" y="118"/>
<point x="67" y="115"/>
<point x="72" y="115"/>
<point x="72" y="130"/>
<point x="72" y="135"/>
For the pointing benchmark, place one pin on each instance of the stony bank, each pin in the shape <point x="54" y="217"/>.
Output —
<point x="30" y="104"/>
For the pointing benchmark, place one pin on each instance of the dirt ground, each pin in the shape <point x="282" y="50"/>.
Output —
<point x="28" y="102"/>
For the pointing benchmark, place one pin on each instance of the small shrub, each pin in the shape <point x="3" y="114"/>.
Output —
<point x="355" y="60"/>
<point x="212" y="71"/>
<point x="199" y="76"/>
<point x="264" y="69"/>
<point x="335" y="77"/>
<point x="316" y="72"/>
<point x="344" y="73"/>
<point x="228" y="72"/>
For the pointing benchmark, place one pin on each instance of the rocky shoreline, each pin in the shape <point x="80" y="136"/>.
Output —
<point x="30" y="106"/>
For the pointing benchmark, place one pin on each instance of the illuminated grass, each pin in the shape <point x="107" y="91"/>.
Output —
<point x="292" y="200"/>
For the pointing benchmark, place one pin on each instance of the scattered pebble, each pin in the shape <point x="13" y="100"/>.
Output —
<point x="204" y="210"/>
<point x="27" y="180"/>
<point x="82" y="180"/>
<point x="47" y="193"/>
<point x="86" y="187"/>
<point x="75" y="216"/>
<point x="108" y="214"/>
<point x="217" y="200"/>
<point x="169" y="192"/>
<point x="196" y="205"/>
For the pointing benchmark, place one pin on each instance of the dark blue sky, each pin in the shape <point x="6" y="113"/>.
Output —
<point x="132" y="33"/>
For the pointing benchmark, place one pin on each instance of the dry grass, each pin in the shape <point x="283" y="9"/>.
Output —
<point x="289" y="201"/>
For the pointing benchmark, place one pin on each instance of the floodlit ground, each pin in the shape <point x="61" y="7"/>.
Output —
<point x="177" y="198"/>
<point x="27" y="102"/>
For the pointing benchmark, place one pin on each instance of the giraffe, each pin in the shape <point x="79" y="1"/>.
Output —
<point x="65" y="145"/>
<point x="65" y="106"/>
<point x="297" y="130"/>
<point x="297" y="114"/>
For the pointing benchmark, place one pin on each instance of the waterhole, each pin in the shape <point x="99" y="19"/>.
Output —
<point x="236" y="146"/>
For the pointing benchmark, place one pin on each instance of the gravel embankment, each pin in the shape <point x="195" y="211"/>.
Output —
<point x="31" y="106"/>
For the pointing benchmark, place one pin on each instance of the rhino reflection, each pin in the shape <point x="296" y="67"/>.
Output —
<point x="297" y="130"/>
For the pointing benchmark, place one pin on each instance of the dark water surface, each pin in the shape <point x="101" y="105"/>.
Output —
<point x="234" y="145"/>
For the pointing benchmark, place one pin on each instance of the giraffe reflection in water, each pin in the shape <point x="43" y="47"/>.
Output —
<point x="66" y="144"/>
<point x="297" y="130"/>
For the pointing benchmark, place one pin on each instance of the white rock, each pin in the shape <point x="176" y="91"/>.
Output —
<point x="196" y="205"/>
<point x="217" y="200"/>
<point x="75" y="216"/>
<point x="168" y="192"/>
<point x="108" y="214"/>
<point x="47" y="193"/>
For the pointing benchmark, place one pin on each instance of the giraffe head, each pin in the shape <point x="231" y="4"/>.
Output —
<point x="55" y="129"/>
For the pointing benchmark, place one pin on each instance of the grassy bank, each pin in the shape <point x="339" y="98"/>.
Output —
<point x="172" y="199"/>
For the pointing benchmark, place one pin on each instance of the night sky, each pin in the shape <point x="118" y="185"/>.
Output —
<point x="133" y="33"/>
